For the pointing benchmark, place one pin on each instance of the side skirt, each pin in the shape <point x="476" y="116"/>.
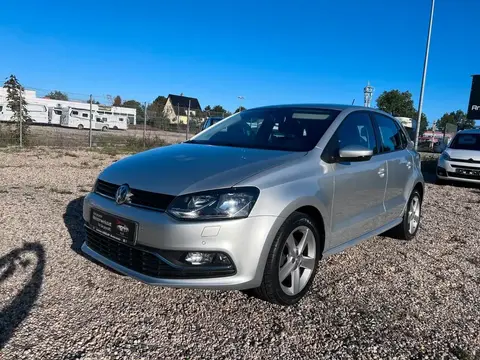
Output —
<point x="366" y="236"/>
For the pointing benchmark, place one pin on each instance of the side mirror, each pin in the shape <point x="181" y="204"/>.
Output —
<point x="355" y="153"/>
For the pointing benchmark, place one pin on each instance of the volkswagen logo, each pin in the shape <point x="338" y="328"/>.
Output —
<point x="123" y="194"/>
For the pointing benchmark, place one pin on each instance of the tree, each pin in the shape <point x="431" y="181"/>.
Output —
<point x="397" y="103"/>
<point x="207" y="108"/>
<point x="158" y="104"/>
<point x="401" y="104"/>
<point x="457" y="118"/>
<point x="239" y="109"/>
<point x="94" y="101"/>
<point x="16" y="102"/>
<point x="218" y="109"/>
<point x="57" y="95"/>
<point x="133" y="104"/>
<point x="117" y="101"/>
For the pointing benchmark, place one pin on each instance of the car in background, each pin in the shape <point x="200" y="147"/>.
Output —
<point x="211" y="121"/>
<point x="460" y="161"/>
<point x="254" y="202"/>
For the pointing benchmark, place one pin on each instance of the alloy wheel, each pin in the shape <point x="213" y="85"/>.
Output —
<point x="413" y="218"/>
<point x="297" y="260"/>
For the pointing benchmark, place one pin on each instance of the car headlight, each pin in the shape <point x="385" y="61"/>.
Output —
<point x="232" y="203"/>
<point x="445" y="156"/>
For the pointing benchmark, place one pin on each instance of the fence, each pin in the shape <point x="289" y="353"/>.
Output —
<point x="68" y="120"/>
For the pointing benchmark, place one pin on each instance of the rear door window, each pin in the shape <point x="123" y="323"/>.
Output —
<point x="390" y="134"/>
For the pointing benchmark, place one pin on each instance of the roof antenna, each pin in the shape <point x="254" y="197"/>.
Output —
<point x="353" y="102"/>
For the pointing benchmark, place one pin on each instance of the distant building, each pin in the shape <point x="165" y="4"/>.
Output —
<point x="176" y="108"/>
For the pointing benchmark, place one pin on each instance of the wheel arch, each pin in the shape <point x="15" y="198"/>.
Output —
<point x="310" y="206"/>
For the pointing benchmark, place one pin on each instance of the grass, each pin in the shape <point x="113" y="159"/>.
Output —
<point x="429" y="162"/>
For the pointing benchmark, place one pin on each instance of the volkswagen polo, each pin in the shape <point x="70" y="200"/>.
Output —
<point x="253" y="202"/>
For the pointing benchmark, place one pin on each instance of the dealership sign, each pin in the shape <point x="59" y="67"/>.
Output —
<point x="474" y="102"/>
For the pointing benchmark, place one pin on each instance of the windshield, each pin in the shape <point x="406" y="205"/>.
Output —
<point x="285" y="128"/>
<point x="466" y="142"/>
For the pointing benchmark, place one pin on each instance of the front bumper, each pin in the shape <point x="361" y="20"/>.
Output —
<point x="245" y="241"/>
<point x="447" y="170"/>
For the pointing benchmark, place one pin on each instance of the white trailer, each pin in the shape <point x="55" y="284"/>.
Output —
<point x="80" y="118"/>
<point x="54" y="115"/>
<point x="410" y="125"/>
<point x="38" y="113"/>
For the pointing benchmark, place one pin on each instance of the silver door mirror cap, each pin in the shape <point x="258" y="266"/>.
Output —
<point x="355" y="153"/>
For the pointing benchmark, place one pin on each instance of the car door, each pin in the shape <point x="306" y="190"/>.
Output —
<point x="359" y="187"/>
<point x="394" y="150"/>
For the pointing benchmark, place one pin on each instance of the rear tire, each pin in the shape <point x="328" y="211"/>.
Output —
<point x="80" y="127"/>
<point x="294" y="256"/>
<point x="104" y="128"/>
<point x="410" y="224"/>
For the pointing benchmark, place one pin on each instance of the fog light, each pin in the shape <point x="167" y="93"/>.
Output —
<point x="441" y="171"/>
<point x="223" y="259"/>
<point x="199" y="258"/>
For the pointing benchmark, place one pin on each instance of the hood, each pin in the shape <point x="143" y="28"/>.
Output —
<point x="463" y="154"/>
<point x="185" y="168"/>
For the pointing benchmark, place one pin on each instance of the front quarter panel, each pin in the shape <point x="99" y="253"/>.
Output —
<point x="284" y="190"/>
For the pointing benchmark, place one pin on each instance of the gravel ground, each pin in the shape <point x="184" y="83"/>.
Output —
<point x="382" y="299"/>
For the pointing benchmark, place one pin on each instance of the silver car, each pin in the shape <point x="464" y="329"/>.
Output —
<point x="255" y="201"/>
<point x="460" y="161"/>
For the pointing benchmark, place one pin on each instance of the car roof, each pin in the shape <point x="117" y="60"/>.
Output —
<point x="339" y="107"/>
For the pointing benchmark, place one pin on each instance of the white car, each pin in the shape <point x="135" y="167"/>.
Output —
<point x="460" y="161"/>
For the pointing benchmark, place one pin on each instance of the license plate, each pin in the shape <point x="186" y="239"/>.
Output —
<point x="468" y="172"/>
<point x="114" y="227"/>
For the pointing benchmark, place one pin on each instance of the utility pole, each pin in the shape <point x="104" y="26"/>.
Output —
<point x="20" y="115"/>
<point x="422" y="88"/>
<point x="188" y="119"/>
<point x="145" y="125"/>
<point x="178" y="117"/>
<point x="91" y="119"/>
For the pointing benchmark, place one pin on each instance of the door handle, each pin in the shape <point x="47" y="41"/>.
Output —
<point x="381" y="172"/>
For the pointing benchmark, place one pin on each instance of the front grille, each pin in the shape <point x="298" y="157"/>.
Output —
<point x="465" y="167"/>
<point x="139" y="198"/>
<point x="463" y="176"/>
<point x="144" y="260"/>
<point x="466" y="161"/>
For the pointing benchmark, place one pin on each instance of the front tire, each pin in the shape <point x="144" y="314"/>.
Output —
<point x="292" y="261"/>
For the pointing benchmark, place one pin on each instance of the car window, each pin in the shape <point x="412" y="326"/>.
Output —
<point x="283" y="128"/>
<point x="466" y="142"/>
<point x="390" y="134"/>
<point x="357" y="130"/>
<point x="404" y="137"/>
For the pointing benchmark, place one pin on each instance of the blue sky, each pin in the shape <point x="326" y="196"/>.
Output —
<point x="270" y="52"/>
